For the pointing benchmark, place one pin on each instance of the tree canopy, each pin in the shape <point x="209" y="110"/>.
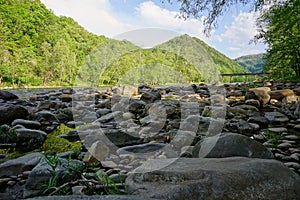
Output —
<point x="212" y="10"/>
<point x="279" y="28"/>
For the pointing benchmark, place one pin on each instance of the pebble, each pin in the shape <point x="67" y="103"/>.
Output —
<point x="296" y="156"/>
<point x="291" y="137"/>
<point x="11" y="183"/>
<point x="278" y="130"/>
<point x="293" y="165"/>
<point x="284" y="145"/>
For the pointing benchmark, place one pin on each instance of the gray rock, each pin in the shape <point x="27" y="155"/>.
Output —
<point x="5" y="95"/>
<point x="41" y="174"/>
<point x="297" y="127"/>
<point x="148" y="150"/>
<point x="278" y="130"/>
<point x="284" y="145"/>
<point x="19" y="165"/>
<point x="45" y="117"/>
<point x="110" y="116"/>
<point x="228" y="145"/>
<point x="27" y="123"/>
<point x="121" y="138"/>
<point x="30" y="138"/>
<point x="102" y="111"/>
<point x="151" y="97"/>
<point x="262" y="121"/>
<point x="10" y="112"/>
<point x="95" y="197"/>
<point x="276" y="117"/>
<point x="293" y="165"/>
<point x="242" y="127"/>
<point x="214" y="178"/>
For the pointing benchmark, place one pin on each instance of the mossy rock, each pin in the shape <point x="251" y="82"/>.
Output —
<point x="51" y="144"/>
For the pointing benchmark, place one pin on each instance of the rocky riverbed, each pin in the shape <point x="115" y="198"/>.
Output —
<point x="222" y="141"/>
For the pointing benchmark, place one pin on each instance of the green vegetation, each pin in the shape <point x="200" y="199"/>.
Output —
<point x="51" y="144"/>
<point x="76" y="174"/>
<point x="39" y="48"/>
<point x="253" y="63"/>
<point x="273" y="137"/>
<point x="280" y="29"/>
<point x="224" y="64"/>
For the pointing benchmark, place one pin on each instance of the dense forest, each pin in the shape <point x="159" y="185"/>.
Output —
<point x="253" y="63"/>
<point x="40" y="48"/>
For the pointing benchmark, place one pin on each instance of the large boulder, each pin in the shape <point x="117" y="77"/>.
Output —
<point x="214" y="178"/>
<point x="229" y="145"/>
<point x="94" y="197"/>
<point x="10" y="112"/>
<point x="5" y="95"/>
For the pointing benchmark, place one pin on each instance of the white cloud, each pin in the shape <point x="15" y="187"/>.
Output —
<point x="152" y="15"/>
<point x="94" y="15"/>
<point x="100" y="17"/>
<point x="242" y="29"/>
<point x="234" y="48"/>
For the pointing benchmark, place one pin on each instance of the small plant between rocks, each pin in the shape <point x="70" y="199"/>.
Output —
<point x="81" y="179"/>
<point x="273" y="138"/>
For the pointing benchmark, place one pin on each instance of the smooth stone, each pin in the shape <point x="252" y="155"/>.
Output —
<point x="297" y="127"/>
<point x="278" y="130"/>
<point x="151" y="97"/>
<point x="276" y="117"/>
<point x="10" y="112"/>
<point x="291" y="137"/>
<point x="27" y="123"/>
<point x="284" y="145"/>
<point x="296" y="156"/>
<point x="5" y="95"/>
<point x="19" y="165"/>
<point x="279" y="94"/>
<point x="293" y="165"/>
<point x="94" y="197"/>
<point x="97" y="152"/>
<point x="214" y="178"/>
<point x="230" y="144"/>
<point x="41" y="174"/>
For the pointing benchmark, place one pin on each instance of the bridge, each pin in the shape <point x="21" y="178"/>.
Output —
<point x="244" y="74"/>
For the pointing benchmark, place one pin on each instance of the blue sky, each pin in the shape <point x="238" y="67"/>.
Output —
<point x="114" y="17"/>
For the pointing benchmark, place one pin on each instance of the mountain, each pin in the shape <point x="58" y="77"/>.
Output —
<point x="40" y="48"/>
<point x="180" y="60"/>
<point x="208" y="60"/>
<point x="253" y="63"/>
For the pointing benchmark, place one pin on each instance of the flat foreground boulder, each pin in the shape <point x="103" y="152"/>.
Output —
<point x="214" y="178"/>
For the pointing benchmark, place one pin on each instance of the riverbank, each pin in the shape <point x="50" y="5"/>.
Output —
<point x="98" y="138"/>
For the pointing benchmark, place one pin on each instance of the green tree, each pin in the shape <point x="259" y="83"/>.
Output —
<point x="279" y="28"/>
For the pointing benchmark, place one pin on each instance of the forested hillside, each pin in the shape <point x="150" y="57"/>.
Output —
<point x="253" y="63"/>
<point x="39" y="48"/>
